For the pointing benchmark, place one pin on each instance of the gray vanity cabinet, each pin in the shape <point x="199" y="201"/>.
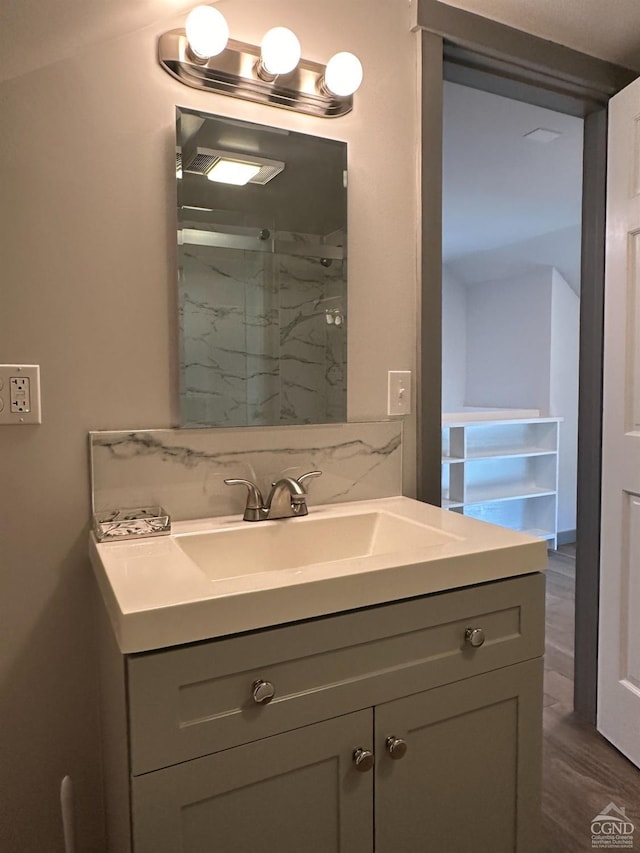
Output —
<point x="297" y="791"/>
<point x="194" y="764"/>
<point x="468" y="782"/>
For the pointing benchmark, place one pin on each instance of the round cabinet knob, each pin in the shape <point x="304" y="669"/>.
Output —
<point x="363" y="759"/>
<point x="396" y="747"/>
<point x="474" y="637"/>
<point x="263" y="692"/>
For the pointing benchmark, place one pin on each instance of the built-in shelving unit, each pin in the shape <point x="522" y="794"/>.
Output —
<point x="505" y="472"/>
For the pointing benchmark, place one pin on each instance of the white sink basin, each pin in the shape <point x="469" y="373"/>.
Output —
<point x="294" y="544"/>
<point x="219" y="576"/>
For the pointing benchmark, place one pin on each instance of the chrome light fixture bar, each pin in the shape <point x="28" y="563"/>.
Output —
<point x="239" y="71"/>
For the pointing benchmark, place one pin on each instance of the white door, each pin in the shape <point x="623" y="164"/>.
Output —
<point x="619" y="651"/>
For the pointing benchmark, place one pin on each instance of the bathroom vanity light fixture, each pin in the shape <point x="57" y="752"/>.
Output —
<point x="203" y="56"/>
<point x="207" y="33"/>
<point x="280" y="53"/>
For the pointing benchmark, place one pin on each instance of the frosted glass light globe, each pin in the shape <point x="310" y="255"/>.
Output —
<point x="207" y="31"/>
<point x="280" y="51"/>
<point x="343" y="74"/>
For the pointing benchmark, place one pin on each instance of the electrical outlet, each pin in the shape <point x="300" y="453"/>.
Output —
<point x="20" y="394"/>
<point x="399" y="392"/>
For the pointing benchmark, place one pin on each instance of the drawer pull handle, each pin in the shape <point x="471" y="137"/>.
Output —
<point x="396" y="747"/>
<point x="263" y="692"/>
<point x="363" y="759"/>
<point x="474" y="637"/>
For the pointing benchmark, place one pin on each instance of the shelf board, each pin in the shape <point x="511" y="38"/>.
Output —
<point x="510" y="454"/>
<point x="499" y="454"/>
<point x="500" y="493"/>
<point x="539" y="532"/>
<point x="499" y="422"/>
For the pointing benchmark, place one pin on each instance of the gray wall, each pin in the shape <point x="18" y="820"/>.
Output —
<point x="88" y="259"/>
<point x="509" y="342"/>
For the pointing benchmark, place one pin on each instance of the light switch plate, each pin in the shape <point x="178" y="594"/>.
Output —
<point x="20" y="394"/>
<point x="399" y="393"/>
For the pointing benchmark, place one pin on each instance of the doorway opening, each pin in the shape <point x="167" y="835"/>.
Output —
<point x="464" y="48"/>
<point x="511" y="249"/>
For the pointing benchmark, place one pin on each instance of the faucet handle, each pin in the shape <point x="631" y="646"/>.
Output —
<point x="255" y="503"/>
<point x="308" y="476"/>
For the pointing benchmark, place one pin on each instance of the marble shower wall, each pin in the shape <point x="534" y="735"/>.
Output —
<point x="313" y="353"/>
<point x="255" y="345"/>
<point x="229" y="337"/>
<point x="184" y="470"/>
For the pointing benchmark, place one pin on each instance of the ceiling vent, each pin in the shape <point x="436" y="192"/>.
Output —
<point x="542" y="134"/>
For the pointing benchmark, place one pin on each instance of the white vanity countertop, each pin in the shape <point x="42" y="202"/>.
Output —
<point x="158" y="596"/>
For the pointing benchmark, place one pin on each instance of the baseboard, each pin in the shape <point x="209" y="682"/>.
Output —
<point x="566" y="537"/>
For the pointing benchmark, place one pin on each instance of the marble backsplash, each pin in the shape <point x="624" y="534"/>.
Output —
<point x="184" y="470"/>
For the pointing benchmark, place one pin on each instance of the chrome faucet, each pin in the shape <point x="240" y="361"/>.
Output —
<point x="287" y="498"/>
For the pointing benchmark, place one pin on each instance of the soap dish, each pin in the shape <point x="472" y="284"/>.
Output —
<point x="131" y="523"/>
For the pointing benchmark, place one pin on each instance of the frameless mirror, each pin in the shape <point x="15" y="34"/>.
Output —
<point x="262" y="274"/>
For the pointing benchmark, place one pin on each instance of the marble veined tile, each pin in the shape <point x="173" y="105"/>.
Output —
<point x="184" y="470"/>
<point x="257" y="343"/>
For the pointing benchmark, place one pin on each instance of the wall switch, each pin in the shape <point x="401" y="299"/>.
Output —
<point x="399" y="393"/>
<point x="20" y="394"/>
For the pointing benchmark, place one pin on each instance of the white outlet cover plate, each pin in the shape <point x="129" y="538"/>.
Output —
<point x="20" y="371"/>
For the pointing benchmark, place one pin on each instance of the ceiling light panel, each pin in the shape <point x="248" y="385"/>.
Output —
<point x="233" y="172"/>
<point x="201" y="161"/>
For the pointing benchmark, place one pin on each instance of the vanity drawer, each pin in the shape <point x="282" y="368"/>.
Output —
<point x="195" y="700"/>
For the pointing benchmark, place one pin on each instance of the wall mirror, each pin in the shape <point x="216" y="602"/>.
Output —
<point x="262" y="274"/>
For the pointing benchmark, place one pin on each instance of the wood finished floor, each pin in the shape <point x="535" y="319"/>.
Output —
<point x="582" y="772"/>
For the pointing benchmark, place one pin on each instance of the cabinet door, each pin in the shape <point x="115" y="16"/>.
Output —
<point x="294" y="792"/>
<point x="469" y="781"/>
